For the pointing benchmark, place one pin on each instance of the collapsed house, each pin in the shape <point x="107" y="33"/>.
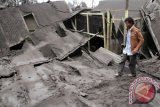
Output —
<point x="51" y="57"/>
<point x="106" y="21"/>
<point x="38" y="67"/>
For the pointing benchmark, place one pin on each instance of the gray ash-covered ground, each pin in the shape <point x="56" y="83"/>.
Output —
<point x="75" y="82"/>
<point x="151" y="66"/>
<point x="38" y="69"/>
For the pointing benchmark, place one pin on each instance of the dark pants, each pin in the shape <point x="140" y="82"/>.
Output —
<point x="132" y="64"/>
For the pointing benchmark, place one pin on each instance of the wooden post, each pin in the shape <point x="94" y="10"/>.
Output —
<point x="126" y="9"/>
<point x="108" y="29"/>
<point x="126" y="15"/>
<point x="104" y="30"/>
<point x="75" y="21"/>
<point x="110" y="35"/>
<point x="88" y="30"/>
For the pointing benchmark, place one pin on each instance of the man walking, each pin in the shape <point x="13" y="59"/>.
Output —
<point x="134" y="42"/>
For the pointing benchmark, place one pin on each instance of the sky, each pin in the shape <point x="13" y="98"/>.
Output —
<point x="88" y="2"/>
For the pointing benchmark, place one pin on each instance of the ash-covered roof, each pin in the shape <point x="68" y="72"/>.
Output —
<point x="120" y="5"/>
<point x="54" y="44"/>
<point x="49" y="35"/>
<point x="117" y="7"/>
<point x="12" y="27"/>
<point x="15" y="23"/>
<point x="47" y="13"/>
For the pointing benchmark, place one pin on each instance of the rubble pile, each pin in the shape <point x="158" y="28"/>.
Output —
<point x="151" y="66"/>
<point x="45" y="64"/>
<point x="39" y="66"/>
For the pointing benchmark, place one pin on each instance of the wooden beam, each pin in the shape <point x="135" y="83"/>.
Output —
<point x="87" y="13"/>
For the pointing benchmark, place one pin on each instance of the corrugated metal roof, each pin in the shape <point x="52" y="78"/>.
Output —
<point x="107" y="55"/>
<point x="102" y="56"/>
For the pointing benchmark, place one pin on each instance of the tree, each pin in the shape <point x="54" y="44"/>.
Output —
<point x="5" y="3"/>
<point x="83" y="5"/>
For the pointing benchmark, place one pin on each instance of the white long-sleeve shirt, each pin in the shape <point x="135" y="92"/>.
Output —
<point x="127" y="49"/>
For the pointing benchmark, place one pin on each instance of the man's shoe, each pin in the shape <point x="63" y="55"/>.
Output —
<point x="132" y="75"/>
<point x="118" y="75"/>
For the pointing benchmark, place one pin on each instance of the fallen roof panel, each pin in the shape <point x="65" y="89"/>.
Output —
<point x="102" y="56"/>
<point x="12" y="26"/>
<point x="61" y="47"/>
<point x="109" y="55"/>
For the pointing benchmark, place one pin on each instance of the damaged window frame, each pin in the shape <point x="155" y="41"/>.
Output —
<point x="107" y="28"/>
<point x="35" y="21"/>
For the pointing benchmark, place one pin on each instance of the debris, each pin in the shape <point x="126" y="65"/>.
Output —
<point x="61" y="47"/>
<point x="107" y="56"/>
<point x="151" y="13"/>
<point x="8" y="76"/>
<point x="62" y="63"/>
<point x="29" y="57"/>
<point x="102" y="57"/>
<point x="151" y="67"/>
